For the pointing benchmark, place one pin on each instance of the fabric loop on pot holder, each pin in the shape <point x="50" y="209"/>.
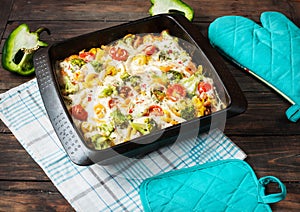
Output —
<point x="293" y="113"/>
<point x="270" y="198"/>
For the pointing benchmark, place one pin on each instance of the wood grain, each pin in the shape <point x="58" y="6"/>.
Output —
<point x="31" y="196"/>
<point x="132" y="9"/>
<point x="271" y="142"/>
<point x="4" y="14"/>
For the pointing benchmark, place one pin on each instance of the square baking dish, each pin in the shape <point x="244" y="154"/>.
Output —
<point x="45" y="61"/>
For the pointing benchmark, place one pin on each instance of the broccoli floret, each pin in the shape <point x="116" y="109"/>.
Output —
<point x="108" y="91"/>
<point x="134" y="80"/>
<point x="186" y="108"/>
<point x="78" y="62"/>
<point x="69" y="88"/>
<point x="119" y="118"/>
<point x="148" y="126"/>
<point x="100" y="142"/>
<point x="106" y="129"/>
<point x="190" y="83"/>
<point x="174" y="75"/>
<point x="163" y="56"/>
<point x="97" y="66"/>
<point x="124" y="76"/>
<point x="188" y="112"/>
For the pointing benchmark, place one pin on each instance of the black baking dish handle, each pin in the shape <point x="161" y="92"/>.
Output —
<point x="67" y="134"/>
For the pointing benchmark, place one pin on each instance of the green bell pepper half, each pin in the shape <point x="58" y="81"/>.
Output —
<point x="19" y="47"/>
<point x="168" y="6"/>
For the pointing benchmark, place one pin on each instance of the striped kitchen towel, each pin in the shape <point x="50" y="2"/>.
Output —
<point x="100" y="188"/>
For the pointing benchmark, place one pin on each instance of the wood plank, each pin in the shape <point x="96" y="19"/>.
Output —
<point x="296" y="11"/>
<point x="61" y="30"/>
<point x="263" y="118"/>
<point x="10" y="80"/>
<point x="291" y="202"/>
<point x="105" y="10"/>
<point x="5" y="9"/>
<point x="271" y="155"/>
<point x="16" y="163"/>
<point x="3" y="128"/>
<point x="80" y="10"/>
<point x="31" y="196"/>
<point x="28" y="196"/>
<point x="210" y="10"/>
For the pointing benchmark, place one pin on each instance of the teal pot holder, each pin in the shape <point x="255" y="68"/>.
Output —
<point x="270" y="51"/>
<point x="228" y="185"/>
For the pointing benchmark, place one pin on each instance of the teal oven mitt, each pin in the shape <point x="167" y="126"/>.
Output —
<point x="228" y="185"/>
<point x="270" y="52"/>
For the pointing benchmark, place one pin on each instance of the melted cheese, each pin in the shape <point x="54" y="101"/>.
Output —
<point x="147" y="84"/>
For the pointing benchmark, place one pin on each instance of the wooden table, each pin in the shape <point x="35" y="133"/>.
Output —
<point x="263" y="132"/>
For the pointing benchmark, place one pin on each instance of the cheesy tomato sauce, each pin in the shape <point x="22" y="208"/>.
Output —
<point x="134" y="86"/>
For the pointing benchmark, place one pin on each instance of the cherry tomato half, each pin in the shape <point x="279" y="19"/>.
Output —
<point x="113" y="102"/>
<point x="78" y="112"/>
<point x="156" y="110"/>
<point x="87" y="56"/>
<point x="175" y="92"/>
<point x="150" y="50"/>
<point x="204" y="87"/>
<point x="118" y="53"/>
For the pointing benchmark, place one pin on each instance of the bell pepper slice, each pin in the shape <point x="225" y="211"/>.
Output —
<point x="168" y="6"/>
<point x="19" y="47"/>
